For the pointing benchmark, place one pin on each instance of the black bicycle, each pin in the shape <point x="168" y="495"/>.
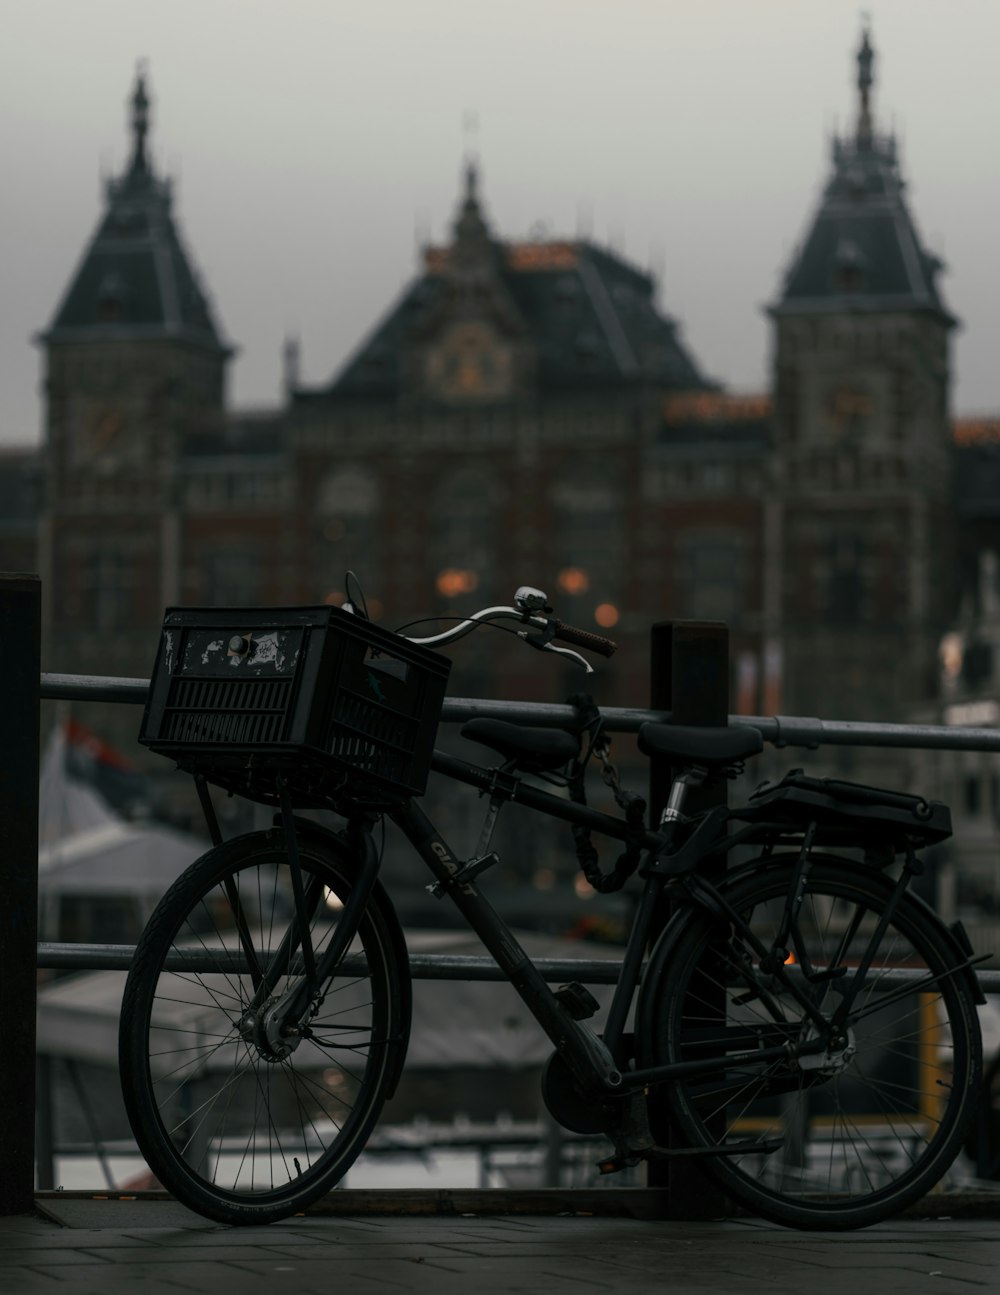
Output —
<point x="810" y="1022"/>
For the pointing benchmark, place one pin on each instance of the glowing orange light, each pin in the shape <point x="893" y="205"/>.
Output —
<point x="573" y="580"/>
<point x="334" y="598"/>
<point x="606" y="615"/>
<point x="790" y="960"/>
<point x="453" y="581"/>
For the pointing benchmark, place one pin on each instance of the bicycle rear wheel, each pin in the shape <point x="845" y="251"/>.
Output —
<point x="853" y="1134"/>
<point x="240" y="1123"/>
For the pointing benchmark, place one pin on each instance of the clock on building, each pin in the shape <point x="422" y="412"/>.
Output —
<point x="848" y="410"/>
<point x="470" y="362"/>
<point x="104" y="431"/>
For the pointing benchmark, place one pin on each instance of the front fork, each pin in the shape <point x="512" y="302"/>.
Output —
<point x="290" y="1015"/>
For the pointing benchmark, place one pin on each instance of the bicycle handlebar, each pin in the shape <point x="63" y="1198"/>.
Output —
<point x="585" y="639"/>
<point x="530" y="611"/>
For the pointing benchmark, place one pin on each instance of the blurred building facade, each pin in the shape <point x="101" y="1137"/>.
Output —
<point x="523" y="413"/>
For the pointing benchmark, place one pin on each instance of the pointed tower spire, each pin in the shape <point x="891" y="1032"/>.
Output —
<point x="136" y="275"/>
<point x="140" y="122"/>
<point x="866" y="57"/>
<point x="469" y="224"/>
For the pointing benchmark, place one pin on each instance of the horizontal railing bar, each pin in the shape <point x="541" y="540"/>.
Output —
<point x="423" y="966"/>
<point x="84" y="687"/>
<point x="781" y="730"/>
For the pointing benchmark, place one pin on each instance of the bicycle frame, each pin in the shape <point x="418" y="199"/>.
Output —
<point x="598" y="1063"/>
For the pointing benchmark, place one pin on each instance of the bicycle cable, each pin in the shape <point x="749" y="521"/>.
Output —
<point x="633" y="805"/>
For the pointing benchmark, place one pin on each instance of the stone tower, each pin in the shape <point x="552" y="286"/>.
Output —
<point x="863" y="515"/>
<point x="134" y="364"/>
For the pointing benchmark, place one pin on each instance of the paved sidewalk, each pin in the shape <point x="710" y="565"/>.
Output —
<point x="91" y="1247"/>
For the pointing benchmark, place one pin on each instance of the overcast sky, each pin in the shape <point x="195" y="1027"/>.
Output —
<point x="313" y="142"/>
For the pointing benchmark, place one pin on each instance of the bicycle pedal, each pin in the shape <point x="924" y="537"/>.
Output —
<point x="615" y="1164"/>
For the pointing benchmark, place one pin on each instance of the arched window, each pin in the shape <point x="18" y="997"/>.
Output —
<point x="588" y="538"/>
<point x="464" y="544"/>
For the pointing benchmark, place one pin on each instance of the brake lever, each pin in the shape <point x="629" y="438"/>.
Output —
<point x="543" y="645"/>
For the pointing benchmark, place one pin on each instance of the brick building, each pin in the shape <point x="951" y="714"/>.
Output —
<point x="523" y="412"/>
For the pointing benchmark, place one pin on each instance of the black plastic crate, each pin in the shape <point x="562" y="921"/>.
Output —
<point x="324" y="699"/>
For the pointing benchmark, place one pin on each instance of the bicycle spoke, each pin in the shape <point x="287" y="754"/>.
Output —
<point x="239" y="1111"/>
<point x="867" y="1124"/>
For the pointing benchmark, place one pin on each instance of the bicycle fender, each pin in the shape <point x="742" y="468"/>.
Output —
<point x="652" y="978"/>
<point x="660" y="958"/>
<point x="306" y="827"/>
<point x="953" y="934"/>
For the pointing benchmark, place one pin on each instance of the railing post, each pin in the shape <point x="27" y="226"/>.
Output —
<point x="689" y="676"/>
<point x="20" y="665"/>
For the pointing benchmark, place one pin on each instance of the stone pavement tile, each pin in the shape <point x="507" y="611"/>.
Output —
<point x="16" y="1223"/>
<point x="25" y="1282"/>
<point x="56" y="1238"/>
<point x="12" y="1245"/>
<point x="152" y="1278"/>
<point x="351" y="1251"/>
<point x="231" y="1254"/>
<point x="316" y="1275"/>
<point x="74" y="1211"/>
<point x="588" y="1269"/>
<point x="954" y="1254"/>
<point x="222" y="1237"/>
<point x="515" y="1274"/>
<point x="38" y="1256"/>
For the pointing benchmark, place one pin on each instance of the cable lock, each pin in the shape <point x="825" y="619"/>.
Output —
<point x="598" y="743"/>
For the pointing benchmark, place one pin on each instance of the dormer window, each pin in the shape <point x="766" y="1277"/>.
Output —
<point x="111" y="298"/>
<point x="849" y="267"/>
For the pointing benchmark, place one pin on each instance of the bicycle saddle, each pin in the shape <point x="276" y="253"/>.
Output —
<point x="537" y="750"/>
<point x="703" y="745"/>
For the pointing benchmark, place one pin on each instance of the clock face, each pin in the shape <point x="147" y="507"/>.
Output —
<point x="104" y="432"/>
<point x="470" y="362"/>
<point x="848" y="410"/>
<point x="107" y="425"/>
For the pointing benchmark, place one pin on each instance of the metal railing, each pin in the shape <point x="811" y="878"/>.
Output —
<point x="780" y="730"/>
<point x="697" y="702"/>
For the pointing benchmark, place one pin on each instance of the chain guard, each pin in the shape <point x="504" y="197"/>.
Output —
<point x="566" y="1104"/>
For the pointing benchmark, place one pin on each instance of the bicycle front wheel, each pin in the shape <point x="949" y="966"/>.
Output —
<point x="844" y="1137"/>
<point x="241" y="1121"/>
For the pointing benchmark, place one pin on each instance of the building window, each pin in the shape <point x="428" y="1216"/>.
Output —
<point x="588" y="541"/>
<point x="231" y="577"/>
<point x="464" y="546"/>
<point x="846" y="599"/>
<point x="108" y="606"/>
<point x="712" y="573"/>
<point x="349" y="530"/>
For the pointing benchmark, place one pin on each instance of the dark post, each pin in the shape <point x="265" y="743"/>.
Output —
<point x="689" y="676"/>
<point x="20" y="667"/>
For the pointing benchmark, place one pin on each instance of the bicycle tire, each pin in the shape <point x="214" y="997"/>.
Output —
<point x="232" y="1129"/>
<point x="882" y="1127"/>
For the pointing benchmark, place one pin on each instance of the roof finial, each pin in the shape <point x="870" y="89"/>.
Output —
<point x="471" y="182"/>
<point x="866" y="57"/>
<point x="140" y="120"/>
<point x="470" y="131"/>
<point x="291" y="359"/>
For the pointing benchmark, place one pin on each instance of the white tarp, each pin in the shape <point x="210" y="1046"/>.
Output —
<point x="85" y="848"/>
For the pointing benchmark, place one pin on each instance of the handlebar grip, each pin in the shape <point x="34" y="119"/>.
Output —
<point x="584" y="639"/>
